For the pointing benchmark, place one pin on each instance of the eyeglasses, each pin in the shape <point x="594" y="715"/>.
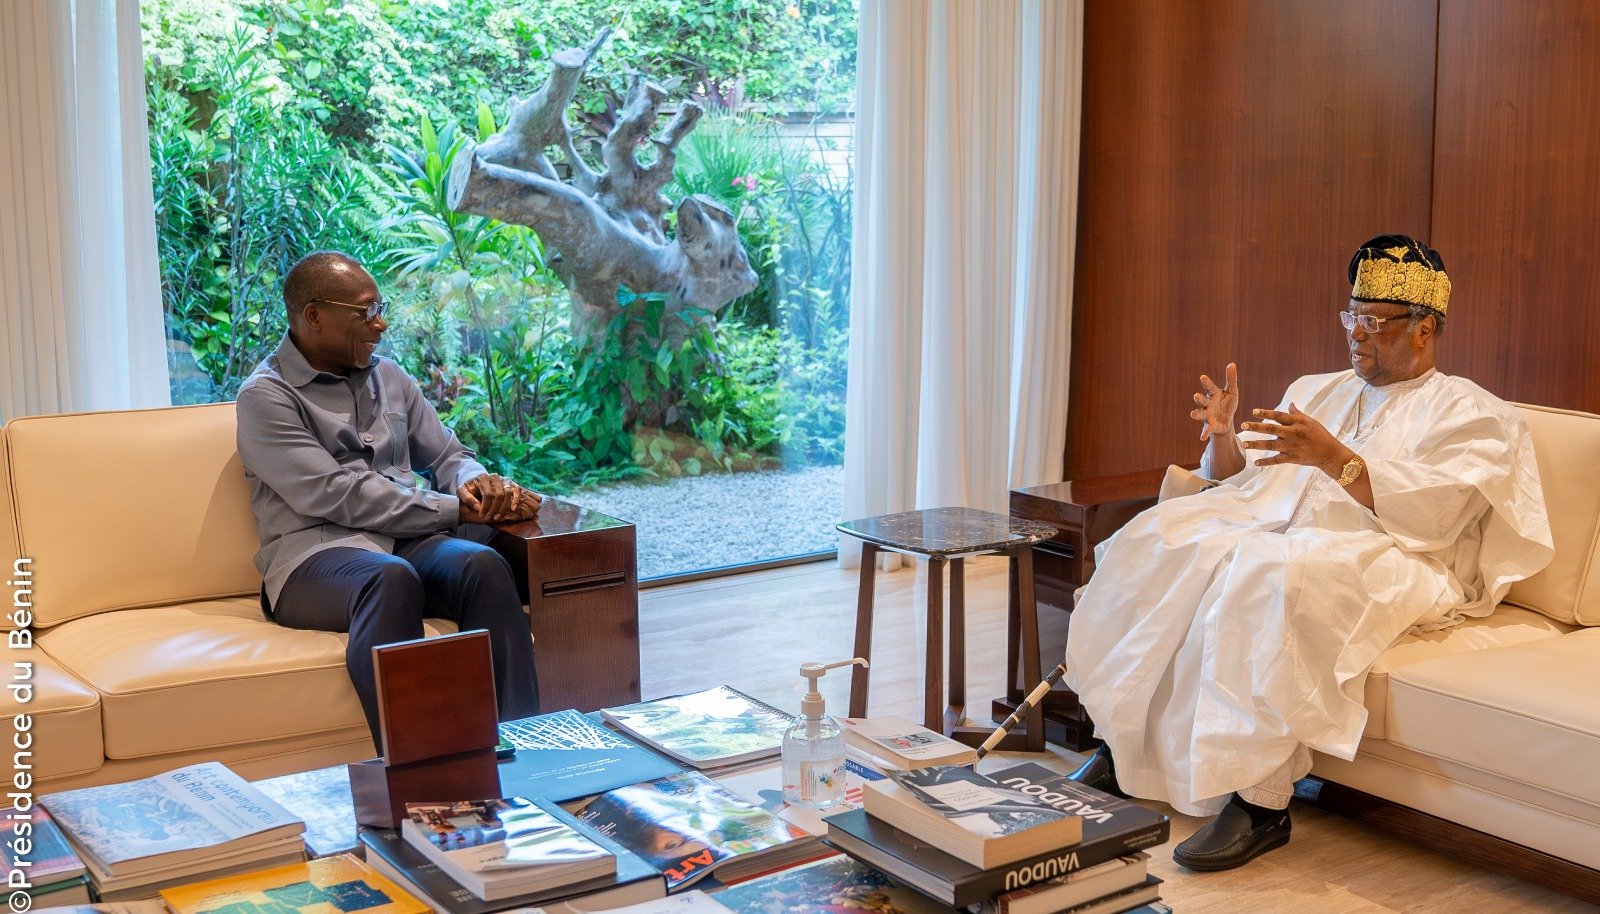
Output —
<point x="1367" y="322"/>
<point x="371" y="312"/>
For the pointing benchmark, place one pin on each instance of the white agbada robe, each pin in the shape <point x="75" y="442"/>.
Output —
<point x="1224" y="629"/>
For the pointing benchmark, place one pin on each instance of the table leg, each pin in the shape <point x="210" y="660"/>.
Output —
<point x="859" y="674"/>
<point x="958" y="646"/>
<point x="1022" y="559"/>
<point x="933" y="693"/>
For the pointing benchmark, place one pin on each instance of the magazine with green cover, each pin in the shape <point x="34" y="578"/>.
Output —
<point x="687" y="825"/>
<point x="709" y="729"/>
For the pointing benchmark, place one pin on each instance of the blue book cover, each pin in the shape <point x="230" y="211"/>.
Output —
<point x="565" y="755"/>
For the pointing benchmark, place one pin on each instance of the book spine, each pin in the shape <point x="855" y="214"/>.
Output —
<point x="997" y="881"/>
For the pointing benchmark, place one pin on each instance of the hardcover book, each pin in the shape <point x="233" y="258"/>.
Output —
<point x="635" y="880"/>
<point x="1105" y="818"/>
<point x="902" y="744"/>
<point x="688" y="825"/>
<point x="1079" y="887"/>
<point x="970" y="815"/>
<point x="504" y="847"/>
<point x="828" y="886"/>
<point x="565" y="755"/>
<point x="49" y="859"/>
<point x="160" y="822"/>
<point x="1117" y="902"/>
<point x="330" y="885"/>
<point x="929" y="867"/>
<point x="709" y="729"/>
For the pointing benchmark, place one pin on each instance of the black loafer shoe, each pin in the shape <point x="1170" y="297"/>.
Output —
<point x="1230" y="841"/>
<point x="1098" y="773"/>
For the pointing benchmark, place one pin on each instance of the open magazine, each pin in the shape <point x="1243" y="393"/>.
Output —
<point x="688" y="825"/>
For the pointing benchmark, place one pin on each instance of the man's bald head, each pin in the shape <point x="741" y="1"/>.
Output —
<point x="331" y="275"/>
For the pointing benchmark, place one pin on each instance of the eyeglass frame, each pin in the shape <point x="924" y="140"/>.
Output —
<point x="371" y="312"/>
<point x="1350" y="320"/>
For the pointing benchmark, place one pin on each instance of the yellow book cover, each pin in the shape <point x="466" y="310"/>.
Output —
<point x="330" y="885"/>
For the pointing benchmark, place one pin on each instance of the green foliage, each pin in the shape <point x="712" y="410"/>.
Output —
<point x="240" y="195"/>
<point x="279" y="127"/>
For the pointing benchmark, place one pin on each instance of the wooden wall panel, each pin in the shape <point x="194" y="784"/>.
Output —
<point x="1516" y="202"/>
<point x="1234" y="154"/>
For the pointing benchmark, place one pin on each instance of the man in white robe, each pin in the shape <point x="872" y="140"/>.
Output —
<point x="1226" y="634"/>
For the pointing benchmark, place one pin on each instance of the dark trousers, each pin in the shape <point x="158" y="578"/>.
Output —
<point x="380" y="599"/>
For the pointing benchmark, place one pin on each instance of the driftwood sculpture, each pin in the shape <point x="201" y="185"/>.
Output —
<point x="607" y="229"/>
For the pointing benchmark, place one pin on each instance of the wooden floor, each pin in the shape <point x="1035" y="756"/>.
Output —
<point x="753" y="632"/>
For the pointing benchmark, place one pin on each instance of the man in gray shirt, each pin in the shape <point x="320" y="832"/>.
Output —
<point x="369" y="509"/>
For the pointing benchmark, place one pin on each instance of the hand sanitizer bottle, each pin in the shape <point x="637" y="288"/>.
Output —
<point x="813" y="747"/>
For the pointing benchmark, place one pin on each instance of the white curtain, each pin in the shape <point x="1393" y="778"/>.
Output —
<point x="961" y="299"/>
<point x="80" y="295"/>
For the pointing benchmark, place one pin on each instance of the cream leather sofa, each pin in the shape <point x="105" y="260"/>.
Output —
<point x="1495" y="724"/>
<point x="150" y="651"/>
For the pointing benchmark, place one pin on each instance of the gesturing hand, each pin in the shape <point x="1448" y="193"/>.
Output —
<point x="1217" y="404"/>
<point x="1297" y="438"/>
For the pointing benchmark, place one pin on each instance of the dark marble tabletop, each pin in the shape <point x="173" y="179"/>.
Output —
<point x="947" y="532"/>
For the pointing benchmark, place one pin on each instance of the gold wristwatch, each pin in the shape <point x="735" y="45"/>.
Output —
<point x="1352" y="470"/>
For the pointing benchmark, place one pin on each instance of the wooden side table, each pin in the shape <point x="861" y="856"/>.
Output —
<point x="1083" y="513"/>
<point x="945" y="536"/>
<point x="577" y="570"/>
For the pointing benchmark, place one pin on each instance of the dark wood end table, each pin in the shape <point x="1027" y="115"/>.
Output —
<point x="1083" y="513"/>
<point x="577" y="570"/>
<point x="945" y="536"/>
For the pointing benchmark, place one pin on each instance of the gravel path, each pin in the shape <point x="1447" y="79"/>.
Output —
<point x="700" y="522"/>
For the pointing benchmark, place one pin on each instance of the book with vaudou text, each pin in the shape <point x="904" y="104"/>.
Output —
<point x="328" y="885"/>
<point x="829" y="886"/>
<point x="504" y="847"/>
<point x="688" y="825"/>
<point x="1079" y="887"/>
<point x="900" y="743"/>
<point x="565" y="755"/>
<point x="1107" y="820"/>
<point x="709" y="729"/>
<point x="970" y="816"/>
<point x="160" y="822"/>
<point x="926" y="866"/>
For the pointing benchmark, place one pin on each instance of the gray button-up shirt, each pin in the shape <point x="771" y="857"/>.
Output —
<point x="343" y="461"/>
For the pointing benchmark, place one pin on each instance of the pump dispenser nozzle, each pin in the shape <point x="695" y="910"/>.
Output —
<point x="812" y="706"/>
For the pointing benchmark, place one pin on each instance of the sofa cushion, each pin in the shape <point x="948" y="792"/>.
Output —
<point x="1567" y="445"/>
<point x="1526" y="713"/>
<point x="208" y="674"/>
<point x="8" y="539"/>
<point x="65" y="714"/>
<point x="1506" y="626"/>
<point x="172" y="524"/>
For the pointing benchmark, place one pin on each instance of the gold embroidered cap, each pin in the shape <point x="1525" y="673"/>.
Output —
<point x="1402" y="270"/>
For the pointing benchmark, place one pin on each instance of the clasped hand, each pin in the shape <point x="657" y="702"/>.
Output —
<point x="492" y="499"/>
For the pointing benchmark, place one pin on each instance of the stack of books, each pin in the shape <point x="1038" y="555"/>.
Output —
<point x="198" y="822"/>
<point x="52" y="875"/>
<point x="1019" y="841"/>
<point x="717" y="730"/>
<point x="505" y="847"/>
<point x="468" y="875"/>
